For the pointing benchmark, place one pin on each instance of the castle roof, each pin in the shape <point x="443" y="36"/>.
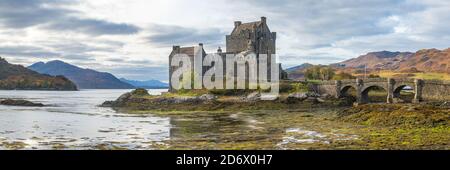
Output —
<point x="246" y="26"/>
<point x="190" y="51"/>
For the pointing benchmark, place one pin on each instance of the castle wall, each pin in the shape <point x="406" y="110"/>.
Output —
<point x="236" y="44"/>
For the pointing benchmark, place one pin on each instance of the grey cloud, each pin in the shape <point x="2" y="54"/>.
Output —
<point x="92" y="26"/>
<point x="139" y="73"/>
<point x="78" y="57"/>
<point x="328" y="58"/>
<point x="118" y="60"/>
<point x="27" y="13"/>
<point x="329" y="21"/>
<point x="26" y="51"/>
<point x="78" y="47"/>
<point x="167" y="35"/>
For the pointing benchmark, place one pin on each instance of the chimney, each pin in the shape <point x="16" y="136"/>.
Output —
<point x="175" y="48"/>
<point x="237" y="23"/>
<point x="263" y="20"/>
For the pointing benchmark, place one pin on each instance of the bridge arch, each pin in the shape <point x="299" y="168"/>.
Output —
<point x="380" y="95"/>
<point x="345" y="89"/>
<point x="403" y="93"/>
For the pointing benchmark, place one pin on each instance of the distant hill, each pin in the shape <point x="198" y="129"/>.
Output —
<point x="150" y="84"/>
<point x="427" y="60"/>
<point x="297" y="72"/>
<point x="17" y="77"/>
<point x="383" y="60"/>
<point x="299" y="67"/>
<point x="83" y="78"/>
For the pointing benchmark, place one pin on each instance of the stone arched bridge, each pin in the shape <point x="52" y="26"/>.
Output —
<point x="424" y="90"/>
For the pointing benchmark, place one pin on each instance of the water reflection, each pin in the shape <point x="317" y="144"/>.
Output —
<point x="204" y="126"/>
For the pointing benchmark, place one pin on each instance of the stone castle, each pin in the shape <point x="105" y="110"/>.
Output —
<point x="252" y="37"/>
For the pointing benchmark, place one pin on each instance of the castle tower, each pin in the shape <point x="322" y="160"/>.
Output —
<point x="257" y="32"/>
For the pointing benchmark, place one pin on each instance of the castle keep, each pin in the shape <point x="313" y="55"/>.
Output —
<point x="256" y="34"/>
<point x="246" y="38"/>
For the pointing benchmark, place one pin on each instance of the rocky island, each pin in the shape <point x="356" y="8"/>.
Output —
<point x="11" y="102"/>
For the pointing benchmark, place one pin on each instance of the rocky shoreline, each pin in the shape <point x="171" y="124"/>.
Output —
<point x="140" y="99"/>
<point x="427" y="114"/>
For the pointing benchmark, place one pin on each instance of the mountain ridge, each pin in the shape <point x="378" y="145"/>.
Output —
<point x="84" y="78"/>
<point x="18" y="77"/>
<point x="425" y="60"/>
<point x="148" y="84"/>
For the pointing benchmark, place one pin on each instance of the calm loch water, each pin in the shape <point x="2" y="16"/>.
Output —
<point x="73" y="120"/>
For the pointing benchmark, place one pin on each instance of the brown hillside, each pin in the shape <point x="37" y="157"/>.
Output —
<point x="429" y="60"/>
<point x="17" y="77"/>
<point x="383" y="60"/>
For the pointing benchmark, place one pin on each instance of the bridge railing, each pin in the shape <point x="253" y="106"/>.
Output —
<point x="348" y="81"/>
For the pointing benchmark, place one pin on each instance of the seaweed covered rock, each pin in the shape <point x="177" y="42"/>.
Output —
<point x="140" y="92"/>
<point x="11" y="102"/>
<point x="396" y="115"/>
<point x="133" y="96"/>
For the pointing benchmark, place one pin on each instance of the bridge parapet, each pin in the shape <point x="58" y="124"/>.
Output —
<point x="437" y="82"/>
<point x="349" y="81"/>
<point x="370" y="80"/>
<point x="424" y="90"/>
<point x="393" y="87"/>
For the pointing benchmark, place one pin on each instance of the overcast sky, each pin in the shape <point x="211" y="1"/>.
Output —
<point x="133" y="38"/>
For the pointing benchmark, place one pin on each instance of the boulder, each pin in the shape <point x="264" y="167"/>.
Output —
<point x="270" y="97"/>
<point x="255" y="96"/>
<point x="124" y="97"/>
<point x="320" y="100"/>
<point x="11" y="102"/>
<point x="325" y="96"/>
<point x="185" y="99"/>
<point x="119" y="101"/>
<point x="207" y="97"/>
<point x="313" y="94"/>
<point x="311" y="99"/>
<point x="107" y="104"/>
